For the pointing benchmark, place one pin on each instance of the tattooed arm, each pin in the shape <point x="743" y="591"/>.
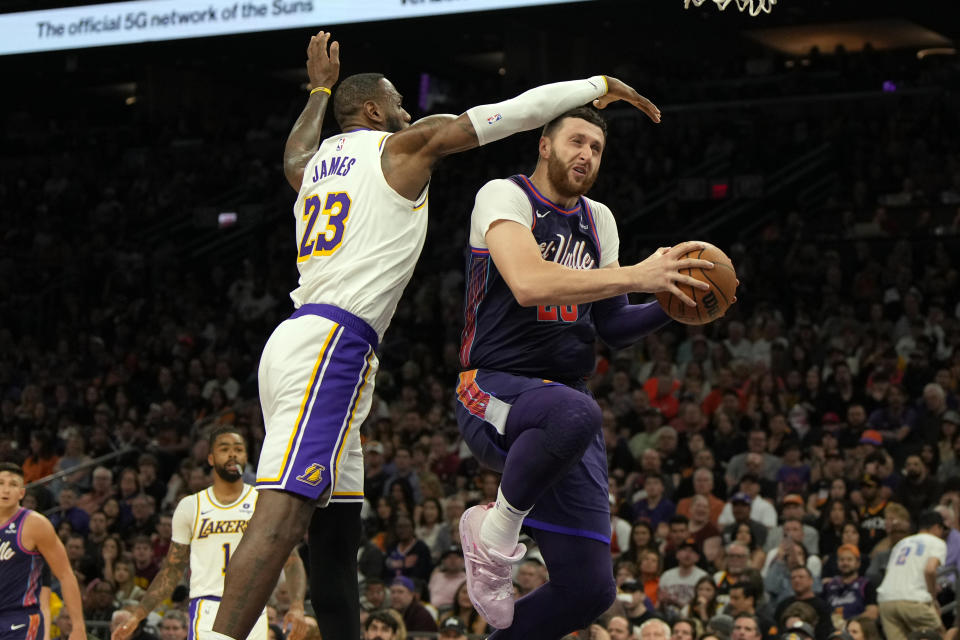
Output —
<point x="176" y="562"/>
<point x="323" y="68"/>
<point x="296" y="579"/>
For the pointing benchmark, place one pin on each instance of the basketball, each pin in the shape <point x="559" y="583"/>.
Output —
<point x="711" y="304"/>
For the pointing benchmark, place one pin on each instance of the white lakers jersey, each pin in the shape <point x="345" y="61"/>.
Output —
<point x="358" y="240"/>
<point x="213" y="531"/>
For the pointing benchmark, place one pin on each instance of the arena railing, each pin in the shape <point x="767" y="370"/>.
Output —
<point x="81" y="467"/>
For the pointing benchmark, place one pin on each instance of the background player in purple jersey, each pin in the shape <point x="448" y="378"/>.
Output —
<point x="543" y="281"/>
<point x="351" y="288"/>
<point x="26" y="540"/>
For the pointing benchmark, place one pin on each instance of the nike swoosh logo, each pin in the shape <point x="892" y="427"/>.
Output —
<point x="203" y="513"/>
<point x="14" y="627"/>
<point x="541" y="214"/>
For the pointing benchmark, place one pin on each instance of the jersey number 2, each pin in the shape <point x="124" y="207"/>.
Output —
<point x="553" y="312"/>
<point x="323" y="242"/>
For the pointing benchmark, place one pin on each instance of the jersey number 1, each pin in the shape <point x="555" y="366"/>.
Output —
<point x="226" y="557"/>
<point x="323" y="242"/>
<point x="553" y="312"/>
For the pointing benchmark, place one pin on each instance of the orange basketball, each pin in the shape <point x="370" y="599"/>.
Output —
<point x="711" y="304"/>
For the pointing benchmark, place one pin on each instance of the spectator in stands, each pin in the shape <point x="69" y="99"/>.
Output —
<point x="69" y="511"/>
<point x="447" y="577"/>
<point x="42" y="459"/>
<point x="463" y="610"/>
<point x="620" y="628"/>
<point x="145" y="567"/>
<point x="530" y="574"/>
<point x="654" y="506"/>
<point x="737" y="559"/>
<point x="850" y="591"/>
<point x="703" y="485"/>
<point x="792" y="508"/>
<point x="802" y="582"/>
<point x="744" y="599"/>
<point x="384" y="625"/>
<point x="127" y="592"/>
<point x="863" y="628"/>
<point x="175" y="626"/>
<point x="101" y="489"/>
<point x="431" y="527"/>
<point x="756" y="443"/>
<point x="678" y="585"/>
<point x="409" y="556"/>
<point x="403" y="600"/>
<point x="919" y="490"/>
<point x="748" y="507"/>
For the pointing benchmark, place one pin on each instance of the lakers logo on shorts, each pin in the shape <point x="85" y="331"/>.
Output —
<point x="313" y="475"/>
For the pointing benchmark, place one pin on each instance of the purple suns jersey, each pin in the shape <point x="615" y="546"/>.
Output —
<point x="19" y="569"/>
<point x="546" y="341"/>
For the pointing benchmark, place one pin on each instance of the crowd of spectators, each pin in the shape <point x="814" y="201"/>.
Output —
<point x="765" y="464"/>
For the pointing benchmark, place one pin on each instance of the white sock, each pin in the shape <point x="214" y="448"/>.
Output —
<point x="501" y="527"/>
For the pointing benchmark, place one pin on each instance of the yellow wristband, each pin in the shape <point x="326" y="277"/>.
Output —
<point x="324" y="89"/>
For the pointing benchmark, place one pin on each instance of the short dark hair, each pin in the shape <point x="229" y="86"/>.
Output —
<point x="353" y="92"/>
<point x="383" y="616"/>
<point x="749" y="589"/>
<point x="803" y="567"/>
<point x="222" y="429"/>
<point x="928" y="519"/>
<point x="589" y="114"/>
<point x="10" y="467"/>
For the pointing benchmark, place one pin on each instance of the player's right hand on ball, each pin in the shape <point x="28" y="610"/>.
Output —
<point x="617" y="90"/>
<point x="323" y="67"/>
<point x="661" y="271"/>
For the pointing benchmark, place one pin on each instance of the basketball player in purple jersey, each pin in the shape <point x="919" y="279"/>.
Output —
<point x="543" y="280"/>
<point x="361" y="216"/>
<point x="26" y="540"/>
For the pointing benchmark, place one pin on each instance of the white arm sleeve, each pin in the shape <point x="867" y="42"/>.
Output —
<point x="184" y="518"/>
<point x="497" y="200"/>
<point x="606" y="232"/>
<point x="533" y="108"/>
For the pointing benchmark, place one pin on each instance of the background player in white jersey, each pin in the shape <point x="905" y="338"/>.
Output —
<point x="907" y="597"/>
<point x="207" y="527"/>
<point x="361" y="222"/>
<point x="27" y="539"/>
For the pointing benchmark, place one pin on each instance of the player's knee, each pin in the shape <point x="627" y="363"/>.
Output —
<point x="573" y="423"/>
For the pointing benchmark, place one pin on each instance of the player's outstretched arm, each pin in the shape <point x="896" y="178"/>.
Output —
<point x="409" y="156"/>
<point x="323" y="68"/>
<point x="48" y="544"/>
<point x="296" y="578"/>
<point x="176" y="562"/>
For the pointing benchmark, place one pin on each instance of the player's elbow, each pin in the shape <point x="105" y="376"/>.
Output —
<point x="525" y="297"/>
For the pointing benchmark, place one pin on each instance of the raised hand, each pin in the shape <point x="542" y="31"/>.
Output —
<point x="323" y="67"/>
<point x="617" y="90"/>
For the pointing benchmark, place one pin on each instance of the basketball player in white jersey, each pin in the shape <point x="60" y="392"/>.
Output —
<point x="207" y="527"/>
<point x="361" y="219"/>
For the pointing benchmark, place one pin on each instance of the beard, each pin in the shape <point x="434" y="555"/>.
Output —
<point x="393" y="123"/>
<point x="559" y="175"/>
<point x="227" y="475"/>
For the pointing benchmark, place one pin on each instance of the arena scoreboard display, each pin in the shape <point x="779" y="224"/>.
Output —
<point x="151" y="20"/>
